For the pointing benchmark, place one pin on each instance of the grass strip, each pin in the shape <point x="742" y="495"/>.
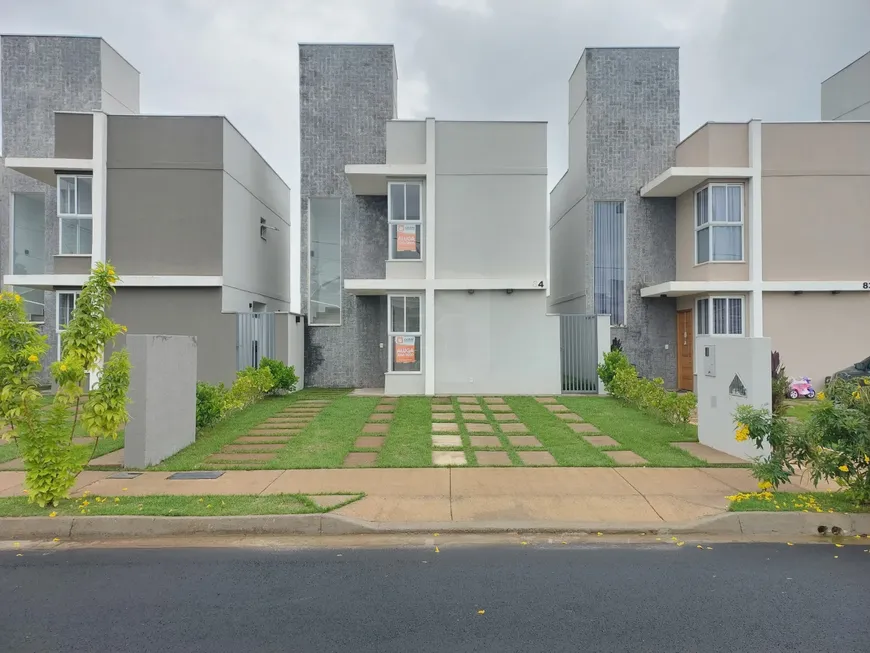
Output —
<point x="409" y="440"/>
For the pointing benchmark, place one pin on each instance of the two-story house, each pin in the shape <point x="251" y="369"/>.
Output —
<point x="194" y="220"/>
<point x="741" y="229"/>
<point x="423" y="241"/>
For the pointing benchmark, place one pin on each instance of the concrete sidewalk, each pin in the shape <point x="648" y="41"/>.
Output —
<point x="464" y="495"/>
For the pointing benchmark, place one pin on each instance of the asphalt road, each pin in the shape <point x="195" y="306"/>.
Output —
<point x="741" y="597"/>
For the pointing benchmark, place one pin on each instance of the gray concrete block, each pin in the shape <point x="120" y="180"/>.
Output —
<point x="162" y="398"/>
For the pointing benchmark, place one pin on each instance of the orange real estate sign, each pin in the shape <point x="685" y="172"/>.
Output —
<point x="406" y="349"/>
<point x="406" y="238"/>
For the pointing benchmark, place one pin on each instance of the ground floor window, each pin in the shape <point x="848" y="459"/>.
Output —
<point x="66" y="303"/>
<point x="405" y="333"/>
<point x="720" y="316"/>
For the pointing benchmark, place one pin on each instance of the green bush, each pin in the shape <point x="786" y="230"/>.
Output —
<point x="833" y="444"/>
<point x="283" y="376"/>
<point x="209" y="403"/>
<point x="649" y="395"/>
<point x="251" y="385"/>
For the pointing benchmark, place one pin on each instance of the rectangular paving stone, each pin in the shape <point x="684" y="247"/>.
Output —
<point x="499" y="408"/>
<point x="493" y="400"/>
<point x="273" y="431"/>
<point x="446" y="427"/>
<point x="385" y="408"/>
<point x="312" y="402"/>
<point x="251" y="448"/>
<point x="263" y="439"/>
<point x="537" y="458"/>
<point x="545" y="400"/>
<point x="485" y="441"/>
<point x="625" y="457"/>
<point x="441" y="400"/>
<point x="505" y="417"/>
<point x="126" y="476"/>
<point x="376" y="428"/>
<point x="569" y="417"/>
<point x="583" y="427"/>
<point x="524" y="441"/>
<point x="474" y="417"/>
<point x="479" y="428"/>
<point x="444" y="417"/>
<point x="360" y="459"/>
<point x="472" y="408"/>
<point x="369" y="442"/>
<point x="492" y="458"/>
<point x="707" y="454"/>
<point x="240" y="457"/>
<point x="380" y="417"/>
<point x="442" y="408"/>
<point x="467" y="400"/>
<point x="449" y="441"/>
<point x="556" y="408"/>
<point x="514" y="428"/>
<point x="601" y="441"/>
<point x="448" y="458"/>
<point x="283" y="420"/>
<point x="389" y="400"/>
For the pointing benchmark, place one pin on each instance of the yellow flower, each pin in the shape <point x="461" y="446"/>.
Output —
<point x="117" y="500"/>
<point x="62" y="367"/>
<point x="856" y="394"/>
<point x="123" y="328"/>
<point x="52" y="514"/>
<point x="765" y="485"/>
<point x="866" y="458"/>
<point x="86" y="503"/>
<point x="821" y="395"/>
<point x="843" y="468"/>
<point x="33" y="358"/>
<point x="742" y="433"/>
<point x="17" y="298"/>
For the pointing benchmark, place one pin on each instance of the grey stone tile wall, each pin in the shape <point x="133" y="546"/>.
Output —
<point x="346" y="95"/>
<point x="633" y="128"/>
<point x="38" y="76"/>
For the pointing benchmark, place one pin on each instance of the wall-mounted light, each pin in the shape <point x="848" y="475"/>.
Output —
<point x="835" y="292"/>
<point x="470" y="291"/>
<point x="798" y="292"/>
<point x="509" y="291"/>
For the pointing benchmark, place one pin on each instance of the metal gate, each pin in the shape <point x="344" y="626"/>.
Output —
<point x="578" y="341"/>
<point x="255" y="338"/>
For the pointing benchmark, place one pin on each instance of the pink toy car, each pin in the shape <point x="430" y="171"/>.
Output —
<point x="802" y="387"/>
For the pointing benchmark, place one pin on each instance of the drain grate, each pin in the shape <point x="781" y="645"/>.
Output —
<point x="126" y="475"/>
<point x="194" y="476"/>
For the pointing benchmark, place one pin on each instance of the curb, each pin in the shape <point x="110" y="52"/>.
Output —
<point x="777" y="524"/>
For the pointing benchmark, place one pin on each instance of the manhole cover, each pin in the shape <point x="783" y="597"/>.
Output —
<point x="193" y="476"/>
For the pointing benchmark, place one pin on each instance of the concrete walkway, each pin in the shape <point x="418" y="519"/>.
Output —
<point x="597" y="494"/>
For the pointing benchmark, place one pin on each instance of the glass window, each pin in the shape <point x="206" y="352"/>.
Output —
<point x="727" y="316"/>
<point x="404" y="210"/>
<point x="719" y="223"/>
<point x="66" y="303"/>
<point x="405" y="333"/>
<point x="74" y="201"/>
<point x="324" y="266"/>
<point x="609" y="279"/>
<point x="28" y="248"/>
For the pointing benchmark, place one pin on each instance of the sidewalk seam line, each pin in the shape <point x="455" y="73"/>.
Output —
<point x="272" y="482"/>
<point x="450" y="477"/>
<point x="616" y="469"/>
<point x="704" y="470"/>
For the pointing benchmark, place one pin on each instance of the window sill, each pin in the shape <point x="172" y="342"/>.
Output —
<point x="74" y="255"/>
<point x="700" y="265"/>
<point x="401" y="373"/>
<point x="720" y="335"/>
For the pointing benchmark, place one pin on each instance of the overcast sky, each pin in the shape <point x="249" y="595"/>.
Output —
<point x="462" y="59"/>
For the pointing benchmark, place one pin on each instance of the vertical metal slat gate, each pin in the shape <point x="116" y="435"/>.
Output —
<point x="255" y="338"/>
<point x="578" y="340"/>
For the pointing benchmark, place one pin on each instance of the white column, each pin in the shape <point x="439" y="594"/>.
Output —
<point x="429" y="237"/>
<point x="756" y="271"/>
<point x="98" y="208"/>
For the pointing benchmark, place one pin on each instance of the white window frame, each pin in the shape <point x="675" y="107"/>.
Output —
<point x="624" y="322"/>
<point x="75" y="294"/>
<point x="74" y="216"/>
<point x="710" y="317"/>
<point x="391" y="222"/>
<point x="710" y="224"/>
<point x="340" y="269"/>
<point x="391" y="333"/>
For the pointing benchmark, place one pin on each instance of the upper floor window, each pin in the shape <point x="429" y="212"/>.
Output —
<point x="28" y="249"/>
<point x="404" y="209"/>
<point x="609" y="272"/>
<point x="324" y="263"/>
<point x="720" y="316"/>
<point x="74" y="212"/>
<point x="719" y="223"/>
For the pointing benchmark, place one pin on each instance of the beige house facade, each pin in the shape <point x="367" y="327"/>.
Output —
<point x="772" y="239"/>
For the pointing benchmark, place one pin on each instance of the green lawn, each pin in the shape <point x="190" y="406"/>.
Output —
<point x="173" y="506"/>
<point x="409" y="441"/>
<point x="800" y="409"/>
<point x="9" y="451"/>
<point x="790" y="502"/>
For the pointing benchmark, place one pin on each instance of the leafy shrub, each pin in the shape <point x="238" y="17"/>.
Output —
<point x="44" y="437"/>
<point x="251" y="385"/>
<point x="833" y="444"/>
<point x="209" y="403"/>
<point x="284" y="376"/>
<point x="778" y="384"/>
<point x="622" y="382"/>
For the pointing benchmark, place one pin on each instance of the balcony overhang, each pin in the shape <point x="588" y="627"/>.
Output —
<point x="371" y="179"/>
<point x="677" y="180"/>
<point x="683" y="288"/>
<point x="47" y="169"/>
<point x="387" y="286"/>
<point x="53" y="281"/>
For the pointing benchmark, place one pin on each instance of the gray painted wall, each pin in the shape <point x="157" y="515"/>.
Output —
<point x="846" y="95"/>
<point x="629" y="111"/>
<point x="186" y="312"/>
<point x="74" y="135"/>
<point x="346" y="97"/>
<point x="496" y="343"/>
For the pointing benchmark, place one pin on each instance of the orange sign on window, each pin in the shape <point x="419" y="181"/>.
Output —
<point x="406" y="349"/>
<point x="406" y="238"/>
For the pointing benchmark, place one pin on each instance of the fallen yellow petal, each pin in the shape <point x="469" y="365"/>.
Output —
<point x="481" y="612"/>
<point x="700" y="547"/>
<point x="524" y="543"/>
<point x="436" y="550"/>
<point x="839" y="546"/>
<point x="17" y="545"/>
<point x="789" y="543"/>
<point x="600" y="533"/>
<point x="435" y="534"/>
<point x="57" y="539"/>
<point x="52" y="514"/>
<point x="709" y="548"/>
<point x="680" y="543"/>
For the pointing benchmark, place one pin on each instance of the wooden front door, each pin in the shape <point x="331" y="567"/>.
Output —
<point x="685" y="351"/>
